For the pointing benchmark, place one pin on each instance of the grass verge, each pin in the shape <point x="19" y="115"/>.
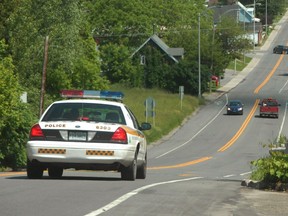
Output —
<point x="170" y="112"/>
<point x="239" y="64"/>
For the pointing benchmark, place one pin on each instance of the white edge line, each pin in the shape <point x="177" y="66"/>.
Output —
<point x="246" y="173"/>
<point x="282" y="123"/>
<point x="227" y="176"/>
<point x="283" y="87"/>
<point x="132" y="193"/>
<point x="196" y="133"/>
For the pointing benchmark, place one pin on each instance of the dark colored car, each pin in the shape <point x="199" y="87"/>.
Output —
<point x="280" y="49"/>
<point x="235" y="107"/>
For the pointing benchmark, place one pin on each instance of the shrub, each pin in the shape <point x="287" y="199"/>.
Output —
<point x="272" y="168"/>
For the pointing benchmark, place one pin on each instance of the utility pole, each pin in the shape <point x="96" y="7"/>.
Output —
<point x="266" y="29"/>
<point x="254" y="13"/>
<point x="44" y="75"/>
<point x="199" y="57"/>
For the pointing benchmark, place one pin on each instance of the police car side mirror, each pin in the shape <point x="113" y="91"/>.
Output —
<point x="145" y="126"/>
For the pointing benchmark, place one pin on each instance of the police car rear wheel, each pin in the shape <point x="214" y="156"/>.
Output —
<point x="141" y="171"/>
<point x="129" y="173"/>
<point x="34" y="171"/>
<point x="55" y="172"/>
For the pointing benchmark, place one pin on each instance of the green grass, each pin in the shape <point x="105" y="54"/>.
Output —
<point x="169" y="112"/>
<point x="240" y="63"/>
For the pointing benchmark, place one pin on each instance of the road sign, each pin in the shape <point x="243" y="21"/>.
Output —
<point x="150" y="108"/>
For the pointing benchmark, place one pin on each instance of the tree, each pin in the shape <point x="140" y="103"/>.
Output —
<point x="232" y="38"/>
<point x="186" y="74"/>
<point x="130" y="23"/>
<point x="15" y="118"/>
<point x="71" y="56"/>
<point x="6" y="9"/>
<point x="274" y="8"/>
<point x="119" y="21"/>
<point x="117" y="65"/>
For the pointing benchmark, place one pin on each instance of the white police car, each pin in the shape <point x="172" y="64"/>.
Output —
<point x="88" y="134"/>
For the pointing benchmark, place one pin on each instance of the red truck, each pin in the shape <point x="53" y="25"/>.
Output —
<point x="269" y="107"/>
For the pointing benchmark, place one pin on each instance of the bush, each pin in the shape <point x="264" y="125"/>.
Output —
<point x="15" y="116"/>
<point x="271" y="169"/>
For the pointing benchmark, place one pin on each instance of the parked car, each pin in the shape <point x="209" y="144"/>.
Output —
<point x="280" y="49"/>
<point x="235" y="107"/>
<point x="90" y="134"/>
<point x="269" y="107"/>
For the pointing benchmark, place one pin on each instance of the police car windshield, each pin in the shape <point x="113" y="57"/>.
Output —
<point x="84" y="112"/>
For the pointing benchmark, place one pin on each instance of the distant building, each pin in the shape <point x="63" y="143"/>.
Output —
<point x="242" y="15"/>
<point x="172" y="55"/>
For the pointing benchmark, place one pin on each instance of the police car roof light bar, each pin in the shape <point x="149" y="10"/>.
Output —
<point x="109" y="95"/>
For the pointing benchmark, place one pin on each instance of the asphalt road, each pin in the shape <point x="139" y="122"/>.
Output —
<point x="197" y="170"/>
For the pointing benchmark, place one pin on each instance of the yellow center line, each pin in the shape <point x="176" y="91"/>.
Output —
<point x="256" y="91"/>
<point x="248" y="119"/>
<point x="242" y="128"/>
<point x="182" y="164"/>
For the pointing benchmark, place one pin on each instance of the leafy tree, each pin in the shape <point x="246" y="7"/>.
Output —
<point x="131" y="24"/>
<point x="87" y="72"/>
<point x="117" y="65"/>
<point x="119" y="21"/>
<point x="274" y="8"/>
<point x="232" y="39"/>
<point x="71" y="56"/>
<point x="15" y="119"/>
<point x="213" y="59"/>
<point x="6" y="9"/>
<point x="186" y="74"/>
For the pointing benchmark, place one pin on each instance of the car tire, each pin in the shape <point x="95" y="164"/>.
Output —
<point x="142" y="170"/>
<point x="129" y="173"/>
<point x="34" y="171"/>
<point x="55" y="172"/>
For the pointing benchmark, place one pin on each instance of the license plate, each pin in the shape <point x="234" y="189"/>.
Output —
<point x="77" y="136"/>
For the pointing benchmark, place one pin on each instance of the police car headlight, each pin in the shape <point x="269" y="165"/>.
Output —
<point x="240" y="108"/>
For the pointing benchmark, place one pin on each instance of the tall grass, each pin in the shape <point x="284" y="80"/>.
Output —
<point x="240" y="63"/>
<point x="169" y="112"/>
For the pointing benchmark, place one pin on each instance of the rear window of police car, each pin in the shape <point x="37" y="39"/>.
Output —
<point x="85" y="111"/>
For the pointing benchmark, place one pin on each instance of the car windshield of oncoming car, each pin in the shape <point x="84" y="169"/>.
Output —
<point x="271" y="103"/>
<point x="85" y="112"/>
<point x="235" y="103"/>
